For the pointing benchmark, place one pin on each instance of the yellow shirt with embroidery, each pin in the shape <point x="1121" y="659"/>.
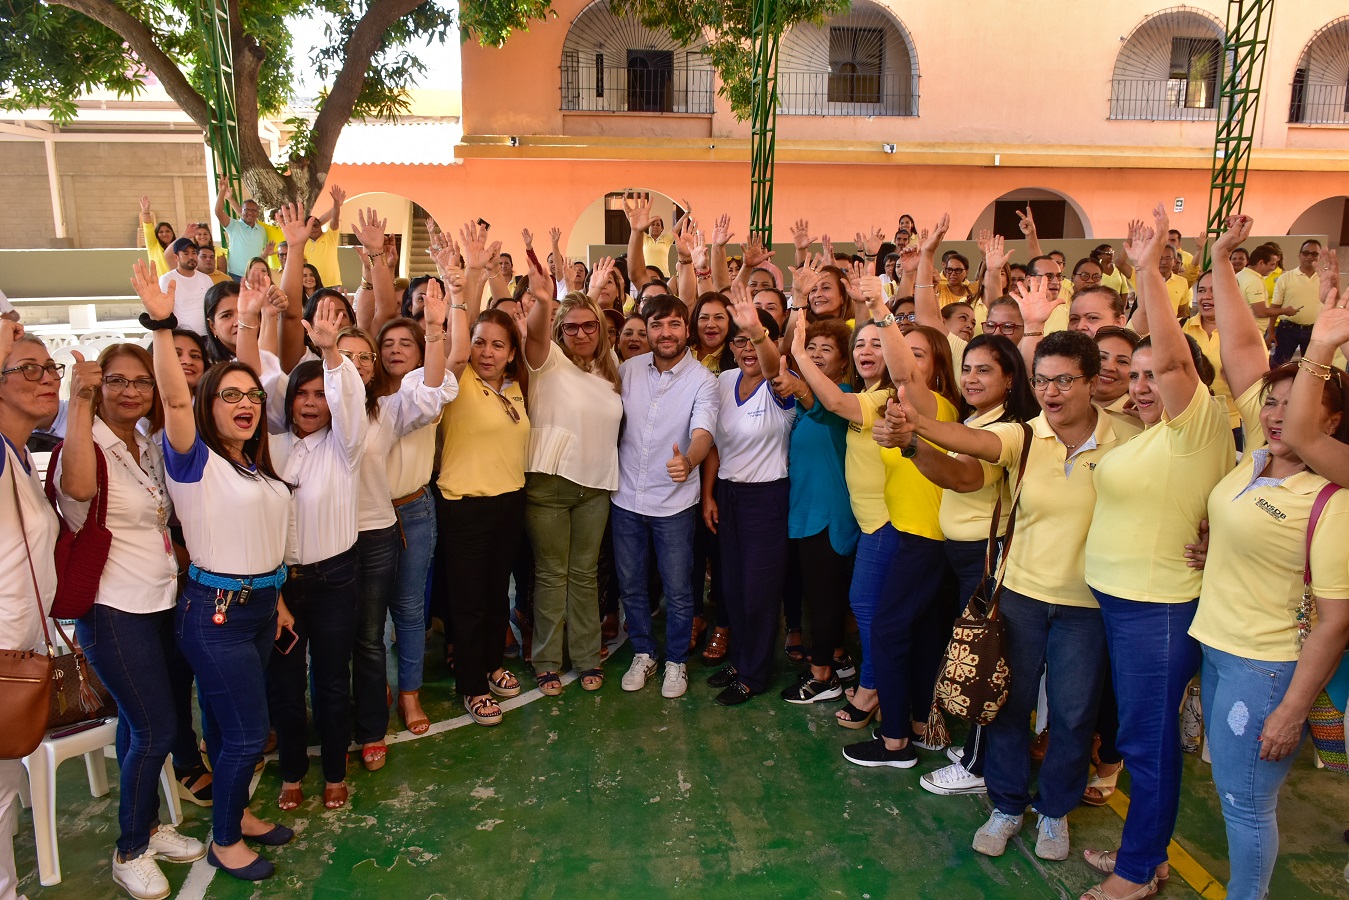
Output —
<point x="914" y="503"/>
<point x="965" y="517"/>
<point x="1179" y="289"/>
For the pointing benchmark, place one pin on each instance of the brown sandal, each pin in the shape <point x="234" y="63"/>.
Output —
<point x="419" y="725"/>
<point x="1138" y="893"/>
<point x="717" y="645"/>
<point x="1103" y="861"/>
<point x="291" y="798"/>
<point x="335" y="795"/>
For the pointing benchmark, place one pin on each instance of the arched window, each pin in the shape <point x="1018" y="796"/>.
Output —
<point x="860" y="63"/>
<point x="1321" y="80"/>
<point x="612" y="64"/>
<point x="1169" y="68"/>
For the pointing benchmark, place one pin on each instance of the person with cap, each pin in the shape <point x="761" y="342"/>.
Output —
<point x="189" y="295"/>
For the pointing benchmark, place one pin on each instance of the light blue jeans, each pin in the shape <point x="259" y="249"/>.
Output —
<point x="1238" y="694"/>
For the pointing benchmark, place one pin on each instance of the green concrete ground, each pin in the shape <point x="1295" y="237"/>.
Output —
<point x="620" y="795"/>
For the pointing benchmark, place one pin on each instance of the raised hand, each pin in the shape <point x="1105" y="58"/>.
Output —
<point x="1328" y="267"/>
<point x="679" y="466"/>
<point x="158" y="305"/>
<point x="541" y="286"/>
<point x="1332" y="325"/>
<point x="721" y="232"/>
<point x="555" y="234"/>
<point x="755" y="253"/>
<point x="698" y="253"/>
<point x="10" y="333"/>
<point x="997" y="255"/>
<point x="339" y="196"/>
<point x="806" y="277"/>
<point x="784" y="383"/>
<point x="473" y="242"/>
<point x="801" y="235"/>
<point x="638" y="211"/>
<point x="224" y="190"/>
<point x="1144" y="246"/>
<point x="435" y="308"/>
<point x="251" y="299"/>
<point x="908" y="257"/>
<point x="932" y="240"/>
<point x="598" y="276"/>
<point x="369" y="229"/>
<point x="743" y="310"/>
<point x="873" y="292"/>
<point x="1026" y="222"/>
<point x="983" y="240"/>
<point x="684" y="236"/>
<point x="1238" y="228"/>
<point x="145" y="204"/>
<point x="853" y="273"/>
<point x="327" y="323"/>
<point x="85" y="377"/>
<point x="827" y="249"/>
<point x="527" y="236"/>
<point x="1035" y="300"/>
<point x="799" y="346"/>
<point x="277" y="299"/>
<point x="295" y="225"/>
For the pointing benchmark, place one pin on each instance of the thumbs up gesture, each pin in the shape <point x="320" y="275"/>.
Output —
<point x="85" y="377"/>
<point x="785" y="384"/>
<point x="679" y="466"/>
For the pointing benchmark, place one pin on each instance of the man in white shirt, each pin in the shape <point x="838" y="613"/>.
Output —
<point x="190" y="287"/>
<point x="670" y="405"/>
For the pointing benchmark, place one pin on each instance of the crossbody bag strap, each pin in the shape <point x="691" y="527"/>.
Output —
<point x="1027" y="437"/>
<point x="32" y="572"/>
<point x="1318" y="507"/>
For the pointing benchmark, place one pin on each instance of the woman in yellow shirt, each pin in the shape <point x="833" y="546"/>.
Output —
<point x="1147" y="592"/>
<point x="1258" y="684"/>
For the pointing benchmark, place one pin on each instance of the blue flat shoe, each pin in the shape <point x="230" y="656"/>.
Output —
<point x="277" y="837"/>
<point x="257" y="870"/>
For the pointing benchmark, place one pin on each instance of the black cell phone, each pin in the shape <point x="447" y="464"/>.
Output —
<point x="484" y="223"/>
<point x="282" y="645"/>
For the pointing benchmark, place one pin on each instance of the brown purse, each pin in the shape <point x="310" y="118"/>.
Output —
<point x="974" y="680"/>
<point x="26" y="675"/>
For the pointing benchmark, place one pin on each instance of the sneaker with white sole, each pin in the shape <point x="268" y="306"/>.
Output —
<point x="170" y="846"/>
<point x="676" y="680"/>
<point x="140" y="877"/>
<point x="1052" y="841"/>
<point x="643" y="667"/>
<point x="952" y="779"/>
<point x="991" y="839"/>
<point x="956" y="754"/>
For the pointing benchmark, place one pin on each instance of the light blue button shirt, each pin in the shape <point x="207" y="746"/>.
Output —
<point x="245" y="243"/>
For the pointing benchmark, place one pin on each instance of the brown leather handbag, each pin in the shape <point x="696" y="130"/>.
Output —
<point x="26" y="676"/>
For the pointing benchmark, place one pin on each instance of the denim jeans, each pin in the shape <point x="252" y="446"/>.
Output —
<point x="905" y="631"/>
<point x="1238" y="695"/>
<point x="753" y="535"/>
<point x="1070" y="640"/>
<point x="1289" y="338"/>
<point x="966" y="559"/>
<point x="323" y="600"/>
<point x="1152" y="658"/>
<point x="130" y="653"/>
<point x="565" y="522"/>
<point x="378" y="551"/>
<point x="186" y="749"/>
<point x="673" y="538"/>
<point x="408" y="607"/>
<point x="874" y="553"/>
<point x="230" y="662"/>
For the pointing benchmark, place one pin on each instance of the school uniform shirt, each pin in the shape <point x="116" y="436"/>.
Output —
<point x="189" y="298"/>
<point x="32" y="518"/>
<point x="574" y="418"/>
<point x="1304" y="291"/>
<point x="324" y="467"/>
<point x="141" y="575"/>
<point x="1047" y="559"/>
<point x="862" y="465"/>
<point x="965" y="516"/>
<point x="1151" y="494"/>
<point x="913" y="502"/>
<point x="818" y="495"/>
<point x="1252" y="286"/>
<point x="412" y="407"/>
<point x="752" y="434"/>
<point x="484" y="436"/>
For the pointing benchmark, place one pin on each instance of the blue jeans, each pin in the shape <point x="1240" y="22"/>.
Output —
<point x="966" y="559"/>
<point x="417" y="519"/>
<point x="673" y="537"/>
<point x="378" y="551"/>
<point x="130" y="653"/>
<point x="230" y="662"/>
<point x="874" y="553"/>
<point x="1071" y="641"/>
<point x="1152" y="659"/>
<point x="905" y="633"/>
<point x="1238" y="694"/>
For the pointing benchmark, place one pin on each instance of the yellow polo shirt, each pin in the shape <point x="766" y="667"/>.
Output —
<point x="965" y="517"/>
<point x="1150" y="495"/>
<point x="1272" y="279"/>
<point x="1118" y="281"/>
<point x="1179" y="289"/>
<point x="482" y="445"/>
<point x="1295" y="289"/>
<point x="863" y="469"/>
<point x="1058" y="319"/>
<point x="946" y="296"/>
<point x="1047" y="560"/>
<point x="1252" y="286"/>
<point x="322" y="255"/>
<point x="913" y="502"/>
<point x="1210" y="344"/>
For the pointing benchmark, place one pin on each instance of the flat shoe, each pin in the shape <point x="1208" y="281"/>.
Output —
<point x="257" y="870"/>
<point x="290" y="798"/>
<point x="1098" y="892"/>
<point x="1103" y="861"/>
<point x="335" y="795"/>
<point x="734" y="695"/>
<point x="278" y="836"/>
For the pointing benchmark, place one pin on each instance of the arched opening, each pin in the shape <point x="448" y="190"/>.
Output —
<point x="1057" y="216"/>
<point x="1321" y="79"/>
<point x="613" y="64"/>
<point x="1329" y="217"/>
<point x="1168" y="68"/>
<point x="405" y="219"/>
<point x="860" y="63"/>
<point x="602" y="227"/>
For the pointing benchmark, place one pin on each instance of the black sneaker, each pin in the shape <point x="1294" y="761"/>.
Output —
<point x="844" y="668"/>
<point x="808" y="690"/>
<point x="734" y="695"/>
<point x="723" y="677"/>
<point x="873" y="754"/>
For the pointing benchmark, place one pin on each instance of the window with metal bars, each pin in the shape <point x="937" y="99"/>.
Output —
<point x="856" y="61"/>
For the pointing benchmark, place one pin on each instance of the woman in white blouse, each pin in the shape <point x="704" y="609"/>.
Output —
<point x="128" y="634"/>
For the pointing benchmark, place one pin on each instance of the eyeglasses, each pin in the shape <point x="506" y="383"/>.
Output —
<point x="1312" y="253"/>
<point x="571" y="329"/>
<point x="1001" y="327"/>
<point x="740" y="341"/>
<point x="119" y="384"/>
<point x="1062" y="382"/>
<point x="364" y="356"/>
<point x="1091" y="279"/>
<point x="34" y="372"/>
<point x="951" y="270"/>
<point x="505" y="403"/>
<point x="1051" y="276"/>
<point x="906" y="318"/>
<point x="234" y="395"/>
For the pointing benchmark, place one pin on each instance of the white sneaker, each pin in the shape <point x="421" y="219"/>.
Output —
<point x="676" y="680"/>
<point x="992" y="838"/>
<point x="642" y="668"/>
<point x="1052" y="842"/>
<point x="955" y="754"/>
<point x="140" y="877"/>
<point x="167" y="844"/>
<point x="953" y="779"/>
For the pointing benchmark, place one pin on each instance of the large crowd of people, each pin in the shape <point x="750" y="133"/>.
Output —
<point x="539" y="457"/>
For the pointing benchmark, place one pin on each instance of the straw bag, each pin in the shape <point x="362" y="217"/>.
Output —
<point x="1326" y="716"/>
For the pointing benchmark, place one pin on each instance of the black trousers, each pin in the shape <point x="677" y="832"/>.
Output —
<point x="825" y="578"/>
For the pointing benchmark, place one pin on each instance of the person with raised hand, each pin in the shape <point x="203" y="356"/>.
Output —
<point x="721" y="236"/>
<point x="1038" y="297"/>
<point x="745" y="499"/>
<point x="376" y="302"/>
<point x="478" y="255"/>
<point x="1252" y="612"/>
<point x="1147" y="593"/>
<point x="295" y="225"/>
<point x="606" y="285"/>
<point x="216" y="458"/>
<point x="640" y="219"/>
<point x="159" y="237"/>
<point x="575" y="410"/>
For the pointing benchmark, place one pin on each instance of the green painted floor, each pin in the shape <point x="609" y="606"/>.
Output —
<point x="619" y="795"/>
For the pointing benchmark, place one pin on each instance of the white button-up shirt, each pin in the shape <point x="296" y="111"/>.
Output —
<point x="661" y="409"/>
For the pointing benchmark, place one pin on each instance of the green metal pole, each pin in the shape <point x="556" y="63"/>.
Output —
<point x="222" y="135"/>
<point x="766" y="32"/>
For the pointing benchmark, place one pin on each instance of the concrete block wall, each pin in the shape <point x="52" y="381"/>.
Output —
<point x="27" y="222"/>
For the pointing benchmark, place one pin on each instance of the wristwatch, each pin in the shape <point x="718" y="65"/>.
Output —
<point x="910" y="451"/>
<point x="886" y="322"/>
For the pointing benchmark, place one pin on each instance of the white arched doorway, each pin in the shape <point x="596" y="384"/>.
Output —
<point x="1329" y="217"/>
<point x="602" y="227"/>
<point x="1057" y="216"/>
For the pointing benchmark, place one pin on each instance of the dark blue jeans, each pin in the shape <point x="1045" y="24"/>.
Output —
<point x="418" y="522"/>
<point x="230" y="662"/>
<point x="1070" y="640"/>
<point x="753" y="536"/>
<point x="966" y="559"/>
<point x="1289" y="338"/>
<point x="378" y="551"/>
<point x="1152" y="658"/>
<point x="904" y="631"/>
<point x="673" y="538"/>
<point x="130" y="653"/>
<point x="323" y="599"/>
<point x="874" y="554"/>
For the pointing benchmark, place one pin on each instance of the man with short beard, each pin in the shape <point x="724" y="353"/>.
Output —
<point x="670" y="406"/>
<point x="206" y="264"/>
<point x="190" y="289"/>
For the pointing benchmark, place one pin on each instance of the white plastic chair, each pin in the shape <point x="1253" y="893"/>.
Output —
<point x="105" y="335"/>
<point x="55" y="342"/>
<point x="41" y="788"/>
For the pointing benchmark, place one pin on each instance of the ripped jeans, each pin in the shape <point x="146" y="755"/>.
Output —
<point x="1238" y="694"/>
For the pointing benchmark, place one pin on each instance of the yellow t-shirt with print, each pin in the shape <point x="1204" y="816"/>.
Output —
<point x="1211" y="345"/>
<point x="863" y="468"/>
<point x="914" y="503"/>
<point x="965" y="517"/>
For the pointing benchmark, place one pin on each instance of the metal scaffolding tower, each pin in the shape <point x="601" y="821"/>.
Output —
<point x="1243" y="71"/>
<point x="222" y="136"/>
<point x="766" y="31"/>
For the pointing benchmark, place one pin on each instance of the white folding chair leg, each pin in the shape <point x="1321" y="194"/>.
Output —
<point x="169" y="782"/>
<point x="96" y="765"/>
<point x="42" y="793"/>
